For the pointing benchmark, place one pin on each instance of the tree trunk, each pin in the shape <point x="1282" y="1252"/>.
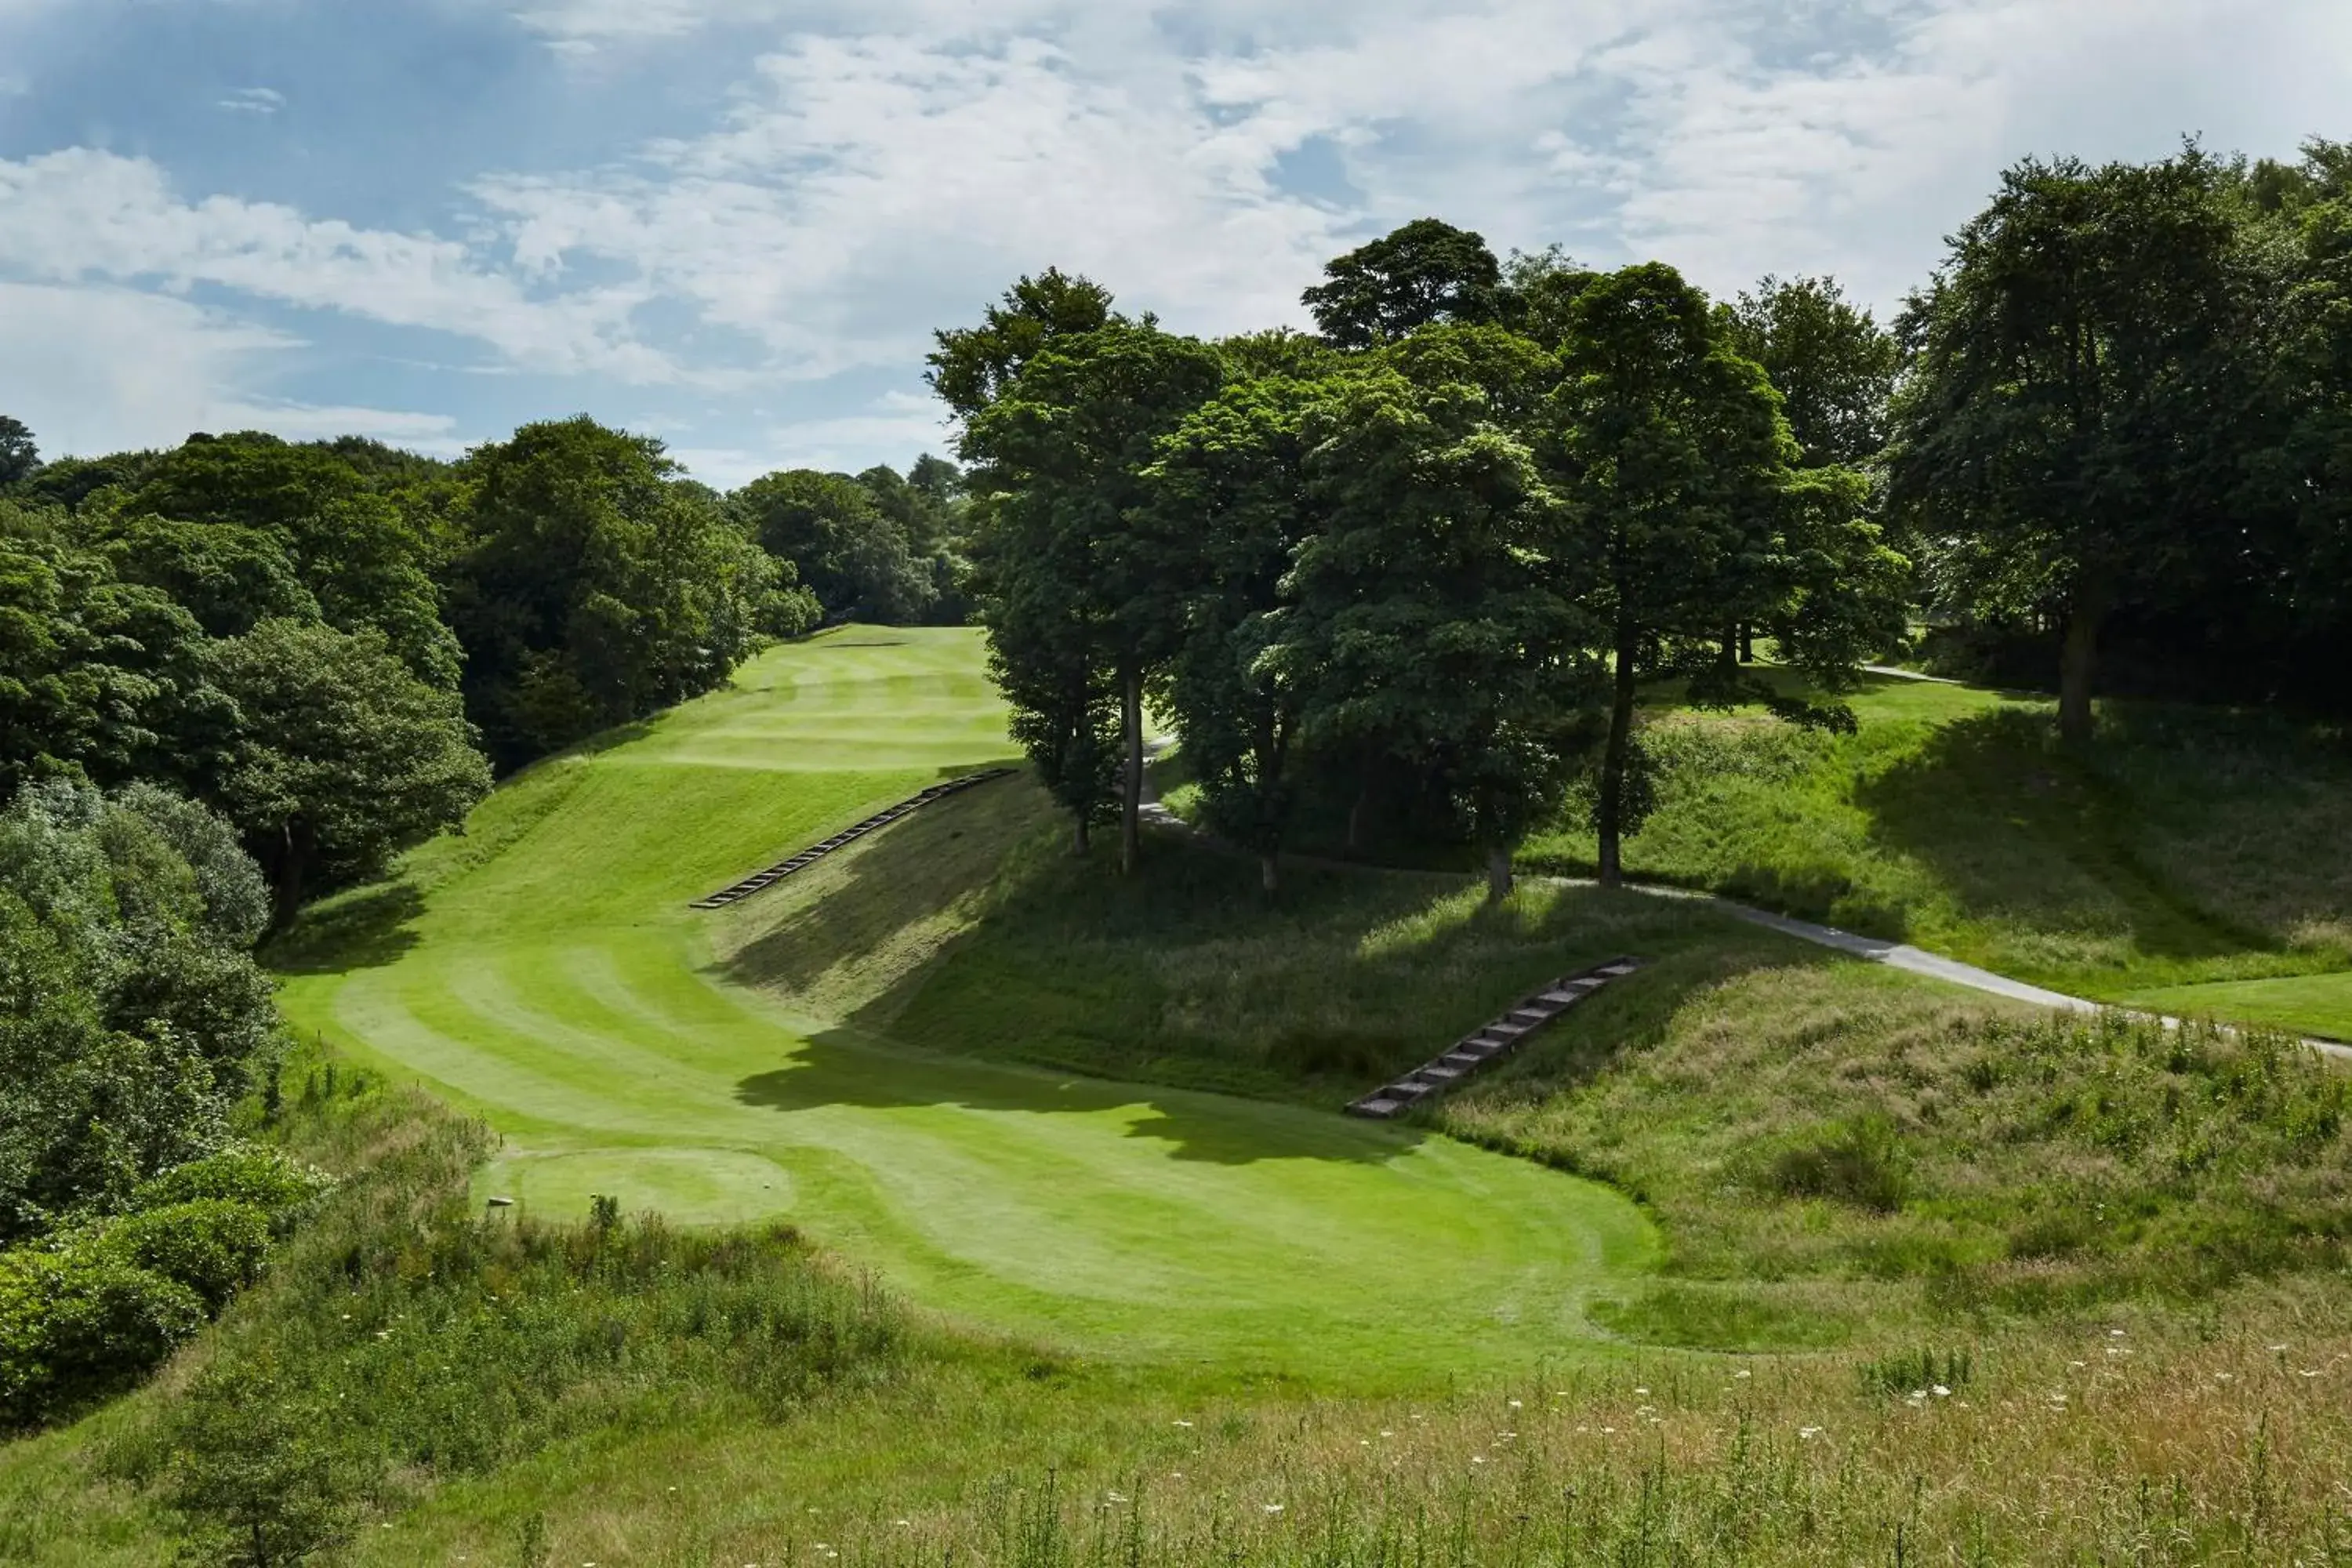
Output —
<point x="1613" y="768"/>
<point x="2078" y="662"/>
<point x="1270" y="872"/>
<point x="295" y="842"/>
<point x="1498" y="872"/>
<point x="1080" y="840"/>
<point x="1130" y="821"/>
<point x="1747" y="643"/>
<point x="1356" y="810"/>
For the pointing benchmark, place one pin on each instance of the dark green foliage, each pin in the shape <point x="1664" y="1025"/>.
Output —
<point x="1434" y="635"/>
<point x="1832" y="365"/>
<point x="1070" y="568"/>
<point x="268" y="1180"/>
<point x="339" y="756"/>
<point x="94" y="672"/>
<point x="131" y="1014"/>
<point x="80" y="1323"/>
<point x="2087" y="386"/>
<point x="354" y="552"/>
<point x="1231" y="481"/>
<point x="260" y="1476"/>
<point x="212" y="1246"/>
<point x="848" y="540"/>
<point x="20" y="456"/>
<point x="970" y="367"/>
<point x="1425" y="272"/>
<point x="594" y="587"/>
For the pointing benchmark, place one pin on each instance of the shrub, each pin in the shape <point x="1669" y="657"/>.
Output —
<point x="212" y="1246"/>
<point x="267" y="1179"/>
<point x="80" y="1323"/>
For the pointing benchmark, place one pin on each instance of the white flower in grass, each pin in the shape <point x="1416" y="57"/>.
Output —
<point x="1942" y="1392"/>
<point x="1272" y="1507"/>
<point x="1809" y="1432"/>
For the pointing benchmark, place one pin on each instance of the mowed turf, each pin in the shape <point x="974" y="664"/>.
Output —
<point x="544" y="969"/>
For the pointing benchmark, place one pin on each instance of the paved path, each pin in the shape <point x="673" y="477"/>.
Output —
<point x="1877" y="949"/>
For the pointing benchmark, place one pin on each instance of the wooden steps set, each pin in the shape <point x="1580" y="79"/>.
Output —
<point x="1491" y="1043"/>
<point x="809" y="857"/>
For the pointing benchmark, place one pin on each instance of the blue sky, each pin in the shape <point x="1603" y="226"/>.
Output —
<point x="733" y="224"/>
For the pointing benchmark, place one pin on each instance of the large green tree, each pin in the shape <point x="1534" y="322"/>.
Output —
<point x="1426" y="271"/>
<point x="595" y="587"/>
<point x="19" y="456"/>
<point x="131" y="1015"/>
<point x="970" y="367"/>
<point x="1672" y="459"/>
<point x="1832" y="364"/>
<point x="1074" y="574"/>
<point x="841" y="541"/>
<point x="1428" y="610"/>
<point x="353" y="550"/>
<point x="336" y="755"/>
<point x="1230" y="495"/>
<point x="2072" y="431"/>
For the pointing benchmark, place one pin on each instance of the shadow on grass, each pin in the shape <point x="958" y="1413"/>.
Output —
<point x="1185" y="975"/>
<point x="365" y="928"/>
<point x="2020" y="832"/>
<point x="840" y="1069"/>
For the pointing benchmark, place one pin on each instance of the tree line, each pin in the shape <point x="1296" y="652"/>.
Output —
<point x="337" y="644"/>
<point x="1424" y="559"/>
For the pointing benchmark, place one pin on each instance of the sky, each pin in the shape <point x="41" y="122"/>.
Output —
<point x="735" y="223"/>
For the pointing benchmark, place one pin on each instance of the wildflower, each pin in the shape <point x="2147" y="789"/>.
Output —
<point x="1641" y="1391"/>
<point x="1478" y="1458"/>
<point x="1743" y="1371"/>
<point x="2115" y="1333"/>
<point x="1386" y="1433"/>
<point x="1942" y="1392"/>
<point x="1809" y="1432"/>
<point x="2281" y="1348"/>
<point x="1515" y="1405"/>
<point x="1183" y="1424"/>
<point x="2224" y="1377"/>
<point x="2075" y="1364"/>
<point x="1115" y="1497"/>
<point x="1273" y="1507"/>
<point x="1609" y="1431"/>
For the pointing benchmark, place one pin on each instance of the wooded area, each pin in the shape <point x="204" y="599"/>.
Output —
<point x="1426" y="559"/>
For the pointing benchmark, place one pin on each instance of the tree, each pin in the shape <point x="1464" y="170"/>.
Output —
<point x="1672" y="459"/>
<point x="594" y="588"/>
<point x="95" y="673"/>
<point x="338" y="757"/>
<point x="262" y="1477"/>
<point x="131" y="1014"/>
<point x="1425" y="605"/>
<point x="1230" y="491"/>
<point x="1831" y="363"/>
<point x="353" y="550"/>
<point x="840" y="543"/>
<point x="1424" y="272"/>
<point x="2072" y="428"/>
<point x="1072" y="568"/>
<point x="19" y="457"/>
<point x="972" y="366"/>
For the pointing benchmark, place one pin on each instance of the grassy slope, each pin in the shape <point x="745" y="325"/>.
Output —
<point x="2200" y="863"/>
<point x="543" y="970"/>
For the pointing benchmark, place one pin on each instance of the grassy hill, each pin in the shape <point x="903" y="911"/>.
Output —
<point x="1077" y="1264"/>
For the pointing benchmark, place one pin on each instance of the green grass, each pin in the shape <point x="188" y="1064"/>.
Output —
<point x="2183" y="850"/>
<point x="1167" y="1306"/>
<point x="543" y="970"/>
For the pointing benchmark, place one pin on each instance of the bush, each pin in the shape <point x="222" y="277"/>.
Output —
<point x="212" y="1246"/>
<point x="78" y="1324"/>
<point x="277" y="1185"/>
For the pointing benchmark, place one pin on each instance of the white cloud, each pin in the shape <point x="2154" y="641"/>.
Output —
<point x="97" y="369"/>
<point x="85" y="214"/>
<point x="253" y="100"/>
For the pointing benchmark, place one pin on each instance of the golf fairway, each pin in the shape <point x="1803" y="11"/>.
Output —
<point x="543" y="970"/>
